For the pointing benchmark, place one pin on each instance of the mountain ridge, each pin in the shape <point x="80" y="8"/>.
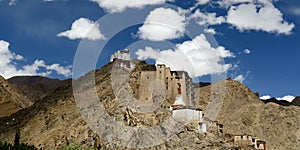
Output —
<point x="55" y="120"/>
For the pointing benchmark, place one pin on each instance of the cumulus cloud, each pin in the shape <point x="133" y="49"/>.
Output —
<point x="207" y="18"/>
<point x="65" y="71"/>
<point x="264" y="17"/>
<point x="247" y="51"/>
<point x="239" y="78"/>
<point x="113" y="6"/>
<point x="197" y="57"/>
<point x="9" y="68"/>
<point x="210" y="31"/>
<point x="83" y="28"/>
<point x="163" y="24"/>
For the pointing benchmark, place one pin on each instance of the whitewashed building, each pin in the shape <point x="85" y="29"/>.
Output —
<point x="183" y="113"/>
<point x="122" y="59"/>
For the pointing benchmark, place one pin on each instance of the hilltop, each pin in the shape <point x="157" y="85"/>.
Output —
<point x="55" y="120"/>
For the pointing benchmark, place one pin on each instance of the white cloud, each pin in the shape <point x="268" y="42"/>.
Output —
<point x="289" y="98"/>
<point x="197" y="57"/>
<point x="239" y="78"/>
<point x="247" y="51"/>
<point x="254" y="17"/>
<point x="9" y="68"/>
<point x="210" y="31"/>
<point x="83" y="28"/>
<point x="265" y="97"/>
<point x="113" y="6"/>
<point x="60" y="69"/>
<point x="208" y="18"/>
<point x="228" y="3"/>
<point x="202" y="2"/>
<point x="163" y="24"/>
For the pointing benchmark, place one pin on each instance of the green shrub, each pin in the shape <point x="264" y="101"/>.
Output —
<point x="74" y="146"/>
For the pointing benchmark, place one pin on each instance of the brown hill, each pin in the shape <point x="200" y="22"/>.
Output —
<point x="36" y="87"/>
<point x="244" y="113"/>
<point x="47" y="83"/>
<point x="56" y="120"/>
<point x="10" y="99"/>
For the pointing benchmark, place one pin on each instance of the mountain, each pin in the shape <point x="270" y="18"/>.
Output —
<point x="21" y="92"/>
<point x="279" y="102"/>
<point x="36" y="87"/>
<point x="11" y="100"/>
<point x="296" y="101"/>
<point x="57" y="119"/>
<point x="244" y="113"/>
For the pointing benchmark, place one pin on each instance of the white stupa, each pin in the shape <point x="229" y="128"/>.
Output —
<point x="179" y="101"/>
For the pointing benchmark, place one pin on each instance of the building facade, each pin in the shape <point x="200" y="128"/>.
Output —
<point x="121" y="59"/>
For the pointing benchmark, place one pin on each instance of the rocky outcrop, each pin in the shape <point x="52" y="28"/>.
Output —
<point x="11" y="100"/>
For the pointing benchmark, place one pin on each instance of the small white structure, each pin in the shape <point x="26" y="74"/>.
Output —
<point x="122" y="59"/>
<point x="121" y="54"/>
<point x="183" y="113"/>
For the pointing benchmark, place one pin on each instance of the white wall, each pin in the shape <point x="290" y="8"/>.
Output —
<point x="187" y="115"/>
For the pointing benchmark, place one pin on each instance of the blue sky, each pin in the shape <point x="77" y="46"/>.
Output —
<point x="259" y="48"/>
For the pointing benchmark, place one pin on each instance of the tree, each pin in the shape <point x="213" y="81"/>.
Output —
<point x="17" y="138"/>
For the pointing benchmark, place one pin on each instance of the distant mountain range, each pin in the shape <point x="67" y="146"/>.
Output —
<point x="295" y="102"/>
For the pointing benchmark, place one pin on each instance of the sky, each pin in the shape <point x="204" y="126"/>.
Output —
<point x="253" y="41"/>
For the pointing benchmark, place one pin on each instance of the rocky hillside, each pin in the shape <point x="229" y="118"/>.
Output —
<point x="36" y="87"/>
<point x="56" y="120"/>
<point x="244" y="113"/>
<point x="10" y="99"/>
<point x="21" y="92"/>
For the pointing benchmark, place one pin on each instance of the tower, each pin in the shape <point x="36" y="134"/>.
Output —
<point x="161" y="72"/>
